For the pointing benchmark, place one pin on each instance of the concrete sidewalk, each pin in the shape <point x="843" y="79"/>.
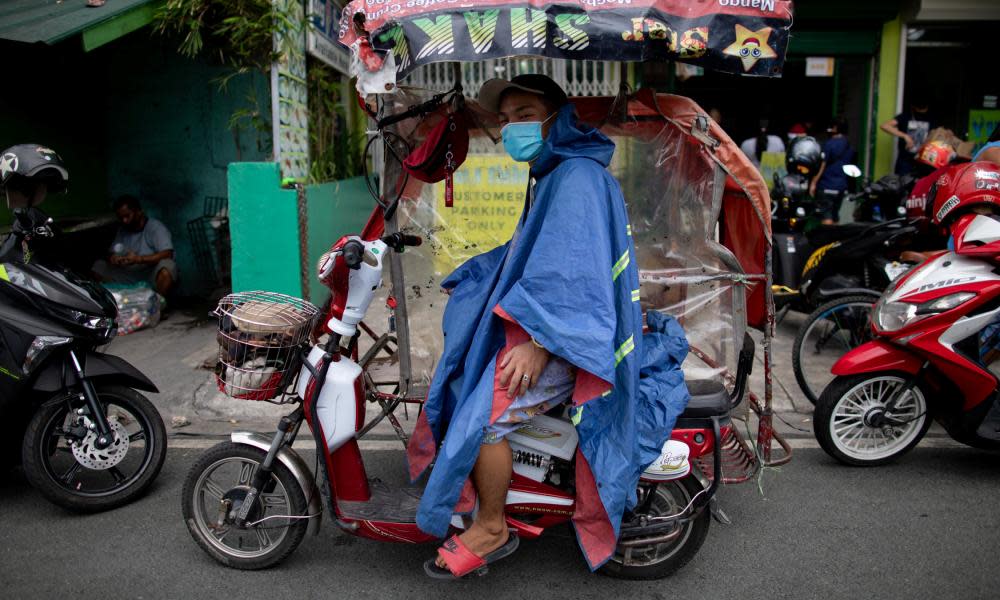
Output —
<point x="180" y="353"/>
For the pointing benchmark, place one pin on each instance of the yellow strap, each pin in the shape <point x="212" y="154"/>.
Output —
<point x="3" y="273"/>
<point x="576" y="416"/>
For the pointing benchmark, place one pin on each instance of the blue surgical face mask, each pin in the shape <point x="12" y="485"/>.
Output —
<point x="523" y="141"/>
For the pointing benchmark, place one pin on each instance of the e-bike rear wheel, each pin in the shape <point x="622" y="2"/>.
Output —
<point x="661" y="555"/>
<point x="214" y="491"/>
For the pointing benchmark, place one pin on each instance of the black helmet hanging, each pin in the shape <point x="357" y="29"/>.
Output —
<point x="804" y="156"/>
<point x="24" y="163"/>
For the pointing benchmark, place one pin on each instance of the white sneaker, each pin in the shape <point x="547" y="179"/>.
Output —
<point x="672" y="463"/>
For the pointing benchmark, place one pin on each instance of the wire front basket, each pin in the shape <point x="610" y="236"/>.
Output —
<point x="260" y="335"/>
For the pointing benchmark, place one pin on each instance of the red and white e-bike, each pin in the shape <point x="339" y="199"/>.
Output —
<point x="934" y="339"/>
<point x="249" y="502"/>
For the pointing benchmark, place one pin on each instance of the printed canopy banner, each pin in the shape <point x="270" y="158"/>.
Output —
<point x="747" y="37"/>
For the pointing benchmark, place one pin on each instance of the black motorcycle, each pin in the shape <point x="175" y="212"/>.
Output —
<point x="884" y="199"/>
<point x="792" y="208"/>
<point x="88" y="439"/>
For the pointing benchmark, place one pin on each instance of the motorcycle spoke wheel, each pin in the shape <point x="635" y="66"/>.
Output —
<point x="829" y="333"/>
<point x="852" y="423"/>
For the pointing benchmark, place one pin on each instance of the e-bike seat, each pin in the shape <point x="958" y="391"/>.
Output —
<point x="709" y="398"/>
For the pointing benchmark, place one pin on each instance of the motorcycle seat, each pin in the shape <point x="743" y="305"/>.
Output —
<point x="709" y="398"/>
<point x="828" y="234"/>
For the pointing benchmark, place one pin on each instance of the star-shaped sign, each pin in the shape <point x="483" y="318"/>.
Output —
<point x="750" y="46"/>
<point x="8" y="164"/>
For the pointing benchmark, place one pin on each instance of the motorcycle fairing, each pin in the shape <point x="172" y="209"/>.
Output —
<point x="59" y="374"/>
<point x="977" y="235"/>
<point x="877" y="355"/>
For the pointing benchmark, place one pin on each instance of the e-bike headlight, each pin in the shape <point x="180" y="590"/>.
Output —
<point x="40" y="348"/>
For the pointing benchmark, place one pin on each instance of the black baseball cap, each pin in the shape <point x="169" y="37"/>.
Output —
<point x="494" y="89"/>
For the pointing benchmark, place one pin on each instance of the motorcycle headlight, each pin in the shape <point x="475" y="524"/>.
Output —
<point x="90" y="321"/>
<point x="893" y="316"/>
<point x="40" y="348"/>
<point x="800" y="211"/>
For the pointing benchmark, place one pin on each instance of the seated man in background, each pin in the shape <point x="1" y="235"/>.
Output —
<point x="142" y="250"/>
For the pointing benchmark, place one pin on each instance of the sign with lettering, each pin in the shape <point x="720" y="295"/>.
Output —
<point x="738" y="36"/>
<point x="489" y="199"/>
<point x="321" y="37"/>
<point x="819" y="66"/>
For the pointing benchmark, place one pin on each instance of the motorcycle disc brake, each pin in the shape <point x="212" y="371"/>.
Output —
<point x="91" y="457"/>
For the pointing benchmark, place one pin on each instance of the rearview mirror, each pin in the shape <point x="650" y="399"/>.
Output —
<point x="852" y="171"/>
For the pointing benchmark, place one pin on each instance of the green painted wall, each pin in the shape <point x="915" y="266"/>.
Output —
<point x="265" y="227"/>
<point x="167" y="133"/>
<point x="131" y="117"/>
<point x="335" y="209"/>
<point x="885" y="97"/>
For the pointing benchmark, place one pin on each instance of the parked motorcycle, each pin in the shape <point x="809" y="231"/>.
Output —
<point x="87" y="439"/>
<point x="935" y="337"/>
<point x="249" y="502"/>
<point x="882" y="200"/>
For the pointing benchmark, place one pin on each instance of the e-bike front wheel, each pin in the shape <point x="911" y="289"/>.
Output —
<point x="214" y="492"/>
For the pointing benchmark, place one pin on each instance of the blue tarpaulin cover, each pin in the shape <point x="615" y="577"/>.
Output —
<point x="571" y="282"/>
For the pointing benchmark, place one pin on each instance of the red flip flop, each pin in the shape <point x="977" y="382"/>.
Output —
<point x="461" y="561"/>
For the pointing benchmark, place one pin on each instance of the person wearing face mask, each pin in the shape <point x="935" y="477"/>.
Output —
<point x="142" y="250"/>
<point x="551" y="317"/>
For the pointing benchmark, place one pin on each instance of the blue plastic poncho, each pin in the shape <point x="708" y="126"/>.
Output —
<point x="571" y="282"/>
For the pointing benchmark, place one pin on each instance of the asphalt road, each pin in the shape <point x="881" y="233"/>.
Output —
<point x="926" y="527"/>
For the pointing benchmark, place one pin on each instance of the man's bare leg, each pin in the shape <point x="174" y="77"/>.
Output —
<point x="164" y="281"/>
<point x="491" y="476"/>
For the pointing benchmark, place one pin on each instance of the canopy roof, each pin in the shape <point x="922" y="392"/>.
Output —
<point x="32" y="21"/>
<point x="747" y="37"/>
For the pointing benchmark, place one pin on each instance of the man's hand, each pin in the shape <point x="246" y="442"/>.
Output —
<point x="910" y="145"/>
<point x="122" y="260"/>
<point x="812" y="189"/>
<point x="129" y="259"/>
<point x="524" y="361"/>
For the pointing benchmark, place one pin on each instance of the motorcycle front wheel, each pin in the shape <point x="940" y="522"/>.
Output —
<point x="662" y="555"/>
<point x="213" y="495"/>
<point x="852" y="424"/>
<point x="62" y="462"/>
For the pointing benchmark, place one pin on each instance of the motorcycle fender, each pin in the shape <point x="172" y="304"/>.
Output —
<point x="877" y="355"/>
<point x="300" y="470"/>
<point x="57" y="374"/>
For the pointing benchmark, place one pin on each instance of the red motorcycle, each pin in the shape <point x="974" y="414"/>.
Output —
<point x="249" y="502"/>
<point x="936" y="333"/>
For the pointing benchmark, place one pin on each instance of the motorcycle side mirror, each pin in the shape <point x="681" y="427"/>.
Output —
<point x="852" y="171"/>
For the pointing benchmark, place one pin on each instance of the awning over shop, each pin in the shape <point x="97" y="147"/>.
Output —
<point x="31" y="21"/>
